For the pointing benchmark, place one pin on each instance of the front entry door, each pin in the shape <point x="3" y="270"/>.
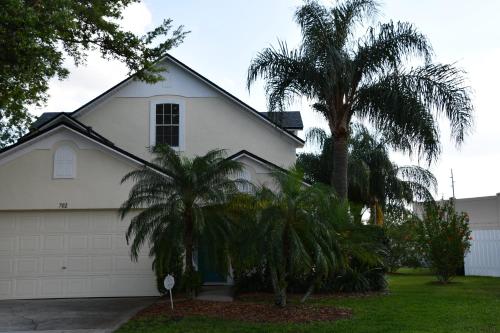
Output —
<point x="207" y="267"/>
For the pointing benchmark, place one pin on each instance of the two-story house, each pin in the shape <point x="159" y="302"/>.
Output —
<point x="60" y="233"/>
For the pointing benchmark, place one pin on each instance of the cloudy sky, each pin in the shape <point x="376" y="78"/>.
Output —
<point x="227" y="34"/>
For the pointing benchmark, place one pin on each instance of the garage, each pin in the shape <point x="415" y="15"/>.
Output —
<point x="69" y="253"/>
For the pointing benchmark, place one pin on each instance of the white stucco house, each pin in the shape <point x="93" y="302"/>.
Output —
<point x="484" y="214"/>
<point x="60" y="233"/>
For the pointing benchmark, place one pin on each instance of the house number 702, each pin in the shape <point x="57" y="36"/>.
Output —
<point x="63" y="205"/>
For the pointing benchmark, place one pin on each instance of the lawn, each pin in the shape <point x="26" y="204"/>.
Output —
<point x="415" y="304"/>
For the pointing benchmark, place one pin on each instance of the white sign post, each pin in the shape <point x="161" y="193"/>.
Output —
<point x="169" y="283"/>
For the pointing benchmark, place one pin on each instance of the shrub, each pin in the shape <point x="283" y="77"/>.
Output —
<point x="400" y="228"/>
<point x="444" y="239"/>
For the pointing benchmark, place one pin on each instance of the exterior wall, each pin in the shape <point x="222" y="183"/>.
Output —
<point x="484" y="212"/>
<point x="212" y="120"/>
<point x="484" y="256"/>
<point x="28" y="183"/>
<point x="259" y="174"/>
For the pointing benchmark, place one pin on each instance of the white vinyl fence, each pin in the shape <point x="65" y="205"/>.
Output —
<point x="484" y="256"/>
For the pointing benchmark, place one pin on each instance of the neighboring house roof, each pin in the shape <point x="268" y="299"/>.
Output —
<point x="43" y="118"/>
<point x="55" y="116"/>
<point x="261" y="115"/>
<point x="290" y="120"/>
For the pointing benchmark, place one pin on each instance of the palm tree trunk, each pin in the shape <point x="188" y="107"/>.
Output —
<point x="188" y="248"/>
<point x="340" y="156"/>
<point x="279" y="287"/>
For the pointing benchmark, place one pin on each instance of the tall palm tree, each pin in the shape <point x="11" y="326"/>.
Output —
<point x="179" y="202"/>
<point x="374" y="181"/>
<point x="367" y="77"/>
<point x="283" y="227"/>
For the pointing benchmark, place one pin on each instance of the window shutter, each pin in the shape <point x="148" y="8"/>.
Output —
<point x="64" y="162"/>
<point x="243" y="175"/>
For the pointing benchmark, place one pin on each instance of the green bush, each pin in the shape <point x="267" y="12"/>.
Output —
<point x="400" y="228"/>
<point x="444" y="239"/>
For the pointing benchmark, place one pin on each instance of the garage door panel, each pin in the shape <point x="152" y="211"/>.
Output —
<point x="53" y="264"/>
<point x="6" y="266"/>
<point x="77" y="287"/>
<point x="53" y="223"/>
<point x="27" y="266"/>
<point x="25" y="288"/>
<point x="29" y="244"/>
<point x="101" y="263"/>
<point x="78" y="222"/>
<point x="77" y="264"/>
<point x="124" y="264"/>
<point x="101" y="222"/>
<point x="77" y="242"/>
<point x="7" y="245"/>
<point x="69" y="254"/>
<point x="51" y="287"/>
<point x="53" y="242"/>
<point x="101" y="242"/>
<point x="5" y="289"/>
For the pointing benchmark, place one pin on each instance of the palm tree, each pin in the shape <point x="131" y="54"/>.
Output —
<point x="282" y="226"/>
<point x="366" y="77"/>
<point x="374" y="181"/>
<point x="177" y="203"/>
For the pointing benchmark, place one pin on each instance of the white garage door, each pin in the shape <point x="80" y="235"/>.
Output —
<point x="484" y="256"/>
<point x="69" y="254"/>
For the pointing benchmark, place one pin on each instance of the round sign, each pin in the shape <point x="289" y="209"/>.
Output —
<point x="169" y="282"/>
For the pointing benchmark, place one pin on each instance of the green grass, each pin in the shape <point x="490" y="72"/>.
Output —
<point x="415" y="304"/>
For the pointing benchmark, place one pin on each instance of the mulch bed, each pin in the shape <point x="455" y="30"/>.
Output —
<point x="263" y="312"/>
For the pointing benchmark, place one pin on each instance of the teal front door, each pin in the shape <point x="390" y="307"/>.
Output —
<point x="207" y="267"/>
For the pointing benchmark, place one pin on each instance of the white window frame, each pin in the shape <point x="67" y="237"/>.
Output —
<point x="58" y="174"/>
<point x="244" y="174"/>
<point x="182" y="121"/>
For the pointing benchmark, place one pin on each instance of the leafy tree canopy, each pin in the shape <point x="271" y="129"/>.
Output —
<point x="385" y="76"/>
<point x="374" y="180"/>
<point x="37" y="35"/>
<point x="178" y="206"/>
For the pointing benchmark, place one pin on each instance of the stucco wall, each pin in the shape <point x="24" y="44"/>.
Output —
<point x="27" y="181"/>
<point x="211" y="122"/>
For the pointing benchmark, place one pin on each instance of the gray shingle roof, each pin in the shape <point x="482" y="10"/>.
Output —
<point x="290" y="120"/>
<point x="44" y="117"/>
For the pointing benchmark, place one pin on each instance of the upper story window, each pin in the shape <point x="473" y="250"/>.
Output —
<point x="64" y="162"/>
<point x="245" y="178"/>
<point x="167" y="123"/>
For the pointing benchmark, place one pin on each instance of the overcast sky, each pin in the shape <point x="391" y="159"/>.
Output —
<point x="227" y="34"/>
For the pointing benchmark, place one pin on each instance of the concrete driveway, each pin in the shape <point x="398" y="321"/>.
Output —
<point x="69" y="315"/>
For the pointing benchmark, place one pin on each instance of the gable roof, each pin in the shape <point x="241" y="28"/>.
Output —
<point x="65" y="120"/>
<point x="289" y="120"/>
<point x="260" y="115"/>
<point x="257" y="158"/>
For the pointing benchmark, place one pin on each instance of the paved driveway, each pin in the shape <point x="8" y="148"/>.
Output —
<point x="78" y="315"/>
